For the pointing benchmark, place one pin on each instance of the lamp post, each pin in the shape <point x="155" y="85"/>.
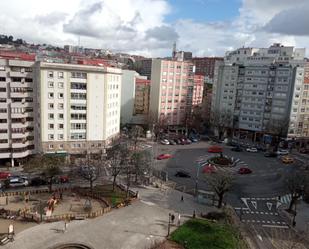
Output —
<point x="169" y="224"/>
<point x="200" y="163"/>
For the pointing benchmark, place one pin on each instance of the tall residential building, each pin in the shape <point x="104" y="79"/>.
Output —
<point x="128" y="96"/>
<point x="170" y="83"/>
<point x="206" y="66"/>
<point x="142" y="96"/>
<point x="17" y="107"/>
<point x="143" y="67"/>
<point x="299" y="117"/>
<point x="257" y="86"/>
<point x="198" y="89"/>
<point x="78" y="106"/>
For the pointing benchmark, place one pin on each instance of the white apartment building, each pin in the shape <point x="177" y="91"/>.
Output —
<point x="17" y="110"/>
<point x="258" y="85"/>
<point x="79" y="107"/>
<point x="169" y="92"/>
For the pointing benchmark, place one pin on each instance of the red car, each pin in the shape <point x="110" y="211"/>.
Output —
<point x="244" y="171"/>
<point x="4" y="175"/>
<point x="208" y="169"/>
<point x="215" y="149"/>
<point x="164" y="156"/>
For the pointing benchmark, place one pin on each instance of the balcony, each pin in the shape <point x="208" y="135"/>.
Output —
<point x="5" y="154"/>
<point x="21" y="154"/>
<point x="3" y="74"/>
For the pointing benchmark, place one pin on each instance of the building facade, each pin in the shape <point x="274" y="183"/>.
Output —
<point x="171" y="82"/>
<point x="78" y="106"/>
<point x="17" y="108"/>
<point x="142" y="96"/>
<point x="143" y="67"/>
<point x="258" y="86"/>
<point x="206" y="66"/>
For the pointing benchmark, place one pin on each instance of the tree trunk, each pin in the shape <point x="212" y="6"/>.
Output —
<point x="91" y="187"/>
<point x="128" y="186"/>
<point x="50" y="186"/>
<point x="114" y="182"/>
<point x="291" y="204"/>
<point x="220" y="200"/>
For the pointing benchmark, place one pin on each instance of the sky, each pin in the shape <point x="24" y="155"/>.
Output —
<point x="150" y="27"/>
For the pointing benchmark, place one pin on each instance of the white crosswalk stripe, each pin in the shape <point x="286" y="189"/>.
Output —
<point x="286" y="199"/>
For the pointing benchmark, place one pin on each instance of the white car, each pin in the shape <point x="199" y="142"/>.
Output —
<point x="282" y="152"/>
<point x="252" y="149"/>
<point x="18" y="182"/>
<point x="165" y="141"/>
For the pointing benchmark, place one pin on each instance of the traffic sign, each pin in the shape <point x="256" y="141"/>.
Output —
<point x="269" y="205"/>
<point x="254" y="204"/>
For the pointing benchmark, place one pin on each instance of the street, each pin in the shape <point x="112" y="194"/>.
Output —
<point x="255" y="197"/>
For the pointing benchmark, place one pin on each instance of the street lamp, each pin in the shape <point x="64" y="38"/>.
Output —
<point x="169" y="224"/>
<point x="200" y="163"/>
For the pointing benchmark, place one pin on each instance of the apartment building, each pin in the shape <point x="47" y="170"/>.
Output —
<point x="79" y="107"/>
<point x="142" y="96"/>
<point x="257" y="86"/>
<point x="17" y="107"/>
<point x="197" y="89"/>
<point x="299" y="117"/>
<point x="206" y="66"/>
<point x="170" y="84"/>
<point x="143" y="67"/>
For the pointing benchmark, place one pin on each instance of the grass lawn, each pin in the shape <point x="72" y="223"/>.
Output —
<point x="204" y="234"/>
<point x="114" y="198"/>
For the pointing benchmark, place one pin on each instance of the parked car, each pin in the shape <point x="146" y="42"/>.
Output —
<point x="208" y="169"/>
<point x="165" y="142"/>
<point x="252" y="149"/>
<point x="215" y="149"/>
<point x="261" y="148"/>
<point x="193" y="139"/>
<point x="172" y="142"/>
<point x="270" y="154"/>
<point x="182" y="173"/>
<point x="188" y="141"/>
<point x="287" y="159"/>
<point x="237" y="149"/>
<point x="15" y="182"/>
<point x="177" y="141"/>
<point x="244" y="171"/>
<point x="61" y="179"/>
<point x="164" y="156"/>
<point x="282" y="152"/>
<point x="304" y="151"/>
<point x="38" y="181"/>
<point x="4" y="175"/>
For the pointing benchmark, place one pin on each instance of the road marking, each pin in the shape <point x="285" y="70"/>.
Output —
<point x="274" y="226"/>
<point x="260" y="237"/>
<point x="266" y="212"/>
<point x="278" y="222"/>
<point x="268" y="221"/>
<point x="269" y="205"/>
<point x="254" y="204"/>
<point x="261" y="212"/>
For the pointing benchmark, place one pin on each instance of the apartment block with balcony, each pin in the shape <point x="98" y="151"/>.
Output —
<point x="259" y="86"/>
<point x="171" y="82"/>
<point x="17" y="108"/>
<point x="79" y="107"/>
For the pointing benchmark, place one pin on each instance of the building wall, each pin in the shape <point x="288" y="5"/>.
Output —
<point x="79" y="107"/>
<point x="170" y="94"/>
<point x="127" y="95"/>
<point x="17" y="109"/>
<point x="206" y="65"/>
<point x="142" y="94"/>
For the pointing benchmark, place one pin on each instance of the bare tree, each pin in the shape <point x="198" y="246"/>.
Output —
<point x="221" y="120"/>
<point x="220" y="182"/>
<point x="296" y="183"/>
<point x="141" y="162"/>
<point x="114" y="160"/>
<point x="90" y="169"/>
<point x="135" y="133"/>
<point x="49" y="166"/>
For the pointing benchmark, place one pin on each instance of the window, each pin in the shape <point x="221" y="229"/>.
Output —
<point x="51" y="126"/>
<point x="50" y="74"/>
<point x="50" y="136"/>
<point x="60" y="146"/>
<point x="60" y="75"/>
<point x="60" y="136"/>
<point x="60" y="126"/>
<point x="51" y="116"/>
<point x="50" y="106"/>
<point x="60" y="106"/>
<point x="60" y="115"/>
<point x="60" y="95"/>
<point x="50" y="84"/>
<point x="60" y="84"/>
<point x="50" y="95"/>
<point x="50" y="146"/>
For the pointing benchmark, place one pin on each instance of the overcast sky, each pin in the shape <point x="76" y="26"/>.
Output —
<point x="149" y="27"/>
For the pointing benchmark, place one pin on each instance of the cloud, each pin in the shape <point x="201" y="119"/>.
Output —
<point x="294" y="21"/>
<point x="51" y="18"/>
<point x="163" y="33"/>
